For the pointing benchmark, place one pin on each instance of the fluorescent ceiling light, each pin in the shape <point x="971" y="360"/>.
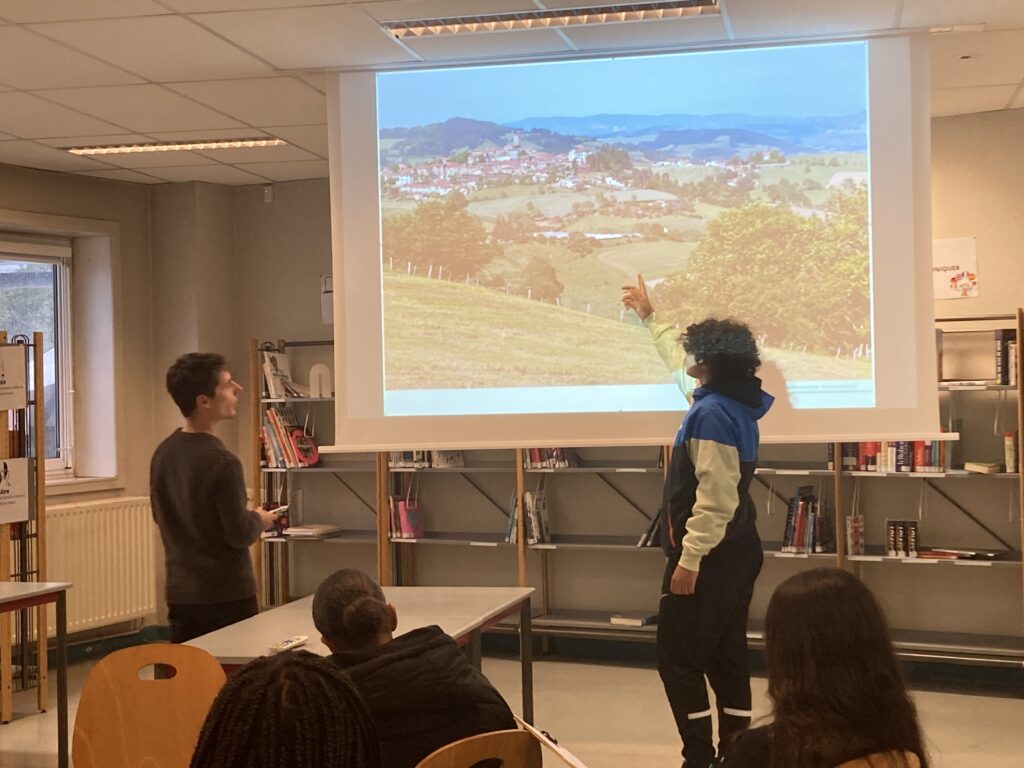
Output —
<point x="124" y="149"/>
<point x="544" y="19"/>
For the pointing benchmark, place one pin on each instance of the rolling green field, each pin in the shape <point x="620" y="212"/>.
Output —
<point x="441" y="335"/>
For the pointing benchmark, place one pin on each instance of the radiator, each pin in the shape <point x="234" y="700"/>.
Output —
<point x="106" y="550"/>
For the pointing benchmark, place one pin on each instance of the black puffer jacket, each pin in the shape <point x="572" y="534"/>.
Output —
<point x="423" y="694"/>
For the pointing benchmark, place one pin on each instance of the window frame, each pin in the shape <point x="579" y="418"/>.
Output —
<point x="56" y="252"/>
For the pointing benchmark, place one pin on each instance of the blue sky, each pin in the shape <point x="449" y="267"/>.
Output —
<point x="798" y="80"/>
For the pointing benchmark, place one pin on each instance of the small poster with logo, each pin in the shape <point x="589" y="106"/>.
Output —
<point x="13" y="361"/>
<point x="16" y="495"/>
<point x="954" y="268"/>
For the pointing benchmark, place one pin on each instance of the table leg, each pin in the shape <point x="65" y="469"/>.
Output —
<point x="62" y="680"/>
<point x="475" y="651"/>
<point x="526" y="657"/>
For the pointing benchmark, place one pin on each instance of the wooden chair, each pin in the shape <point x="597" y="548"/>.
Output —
<point x="509" y="749"/>
<point x="124" y="721"/>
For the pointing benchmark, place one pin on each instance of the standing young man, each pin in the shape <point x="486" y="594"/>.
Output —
<point x="198" y="497"/>
<point x="708" y="528"/>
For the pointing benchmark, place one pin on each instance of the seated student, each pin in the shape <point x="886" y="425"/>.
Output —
<point x="420" y="687"/>
<point x="838" y="697"/>
<point x="292" y="710"/>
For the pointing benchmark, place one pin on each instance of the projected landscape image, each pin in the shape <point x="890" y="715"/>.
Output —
<point x="517" y="200"/>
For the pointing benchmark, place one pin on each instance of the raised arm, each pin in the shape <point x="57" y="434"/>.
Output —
<point x="665" y="335"/>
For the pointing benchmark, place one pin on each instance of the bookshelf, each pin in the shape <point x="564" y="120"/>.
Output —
<point x="591" y="567"/>
<point x="340" y="490"/>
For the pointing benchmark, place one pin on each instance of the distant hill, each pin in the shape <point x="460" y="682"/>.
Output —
<point x="459" y="133"/>
<point x="728" y="139"/>
<point x="845" y="133"/>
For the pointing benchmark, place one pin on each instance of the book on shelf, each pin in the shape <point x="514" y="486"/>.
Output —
<point x="651" y="537"/>
<point x="425" y="459"/>
<point x="285" y="443"/>
<point x="809" y="526"/>
<point x="277" y="374"/>
<point x="634" y="618"/>
<point x="549" y="458"/>
<point x="972" y="554"/>
<point x="983" y="467"/>
<point x="312" y="531"/>
<point x="901" y="538"/>
<point x="893" y="456"/>
<point x="1003" y="338"/>
<point x="536" y="520"/>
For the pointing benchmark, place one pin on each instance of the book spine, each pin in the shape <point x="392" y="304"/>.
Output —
<point x="890" y="538"/>
<point x="918" y="454"/>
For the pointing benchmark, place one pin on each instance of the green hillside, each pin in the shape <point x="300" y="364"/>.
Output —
<point x="443" y="335"/>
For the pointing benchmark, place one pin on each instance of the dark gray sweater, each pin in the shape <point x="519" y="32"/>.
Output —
<point x="198" y="496"/>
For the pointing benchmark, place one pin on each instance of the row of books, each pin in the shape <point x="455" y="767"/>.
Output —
<point x="284" y="442"/>
<point x="277" y="375"/>
<point x="1006" y="355"/>
<point x="902" y="541"/>
<point x="406" y="518"/>
<point x="426" y="459"/>
<point x="892" y="456"/>
<point x="809" y="526"/>
<point x="549" y="458"/>
<point x="535" y="522"/>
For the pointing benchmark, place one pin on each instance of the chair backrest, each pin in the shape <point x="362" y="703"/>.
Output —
<point x="125" y="721"/>
<point x="510" y="749"/>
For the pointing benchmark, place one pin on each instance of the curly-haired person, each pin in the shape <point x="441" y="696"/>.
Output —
<point x="708" y="528"/>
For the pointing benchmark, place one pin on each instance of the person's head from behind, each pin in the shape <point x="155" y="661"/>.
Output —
<point x="833" y="678"/>
<point x="351" y="612"/>
<point x="718" y="350"/>
<point x="201" y="386"/>
<point x="292" y="710"/>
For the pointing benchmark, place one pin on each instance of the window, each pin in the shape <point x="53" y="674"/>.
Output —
<point x="35" y="295"/>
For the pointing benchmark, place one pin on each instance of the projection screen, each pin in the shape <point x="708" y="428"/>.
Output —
<point x="484" y="223"/>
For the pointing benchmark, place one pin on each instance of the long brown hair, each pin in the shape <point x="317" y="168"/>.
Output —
<point x="836" y="688"/>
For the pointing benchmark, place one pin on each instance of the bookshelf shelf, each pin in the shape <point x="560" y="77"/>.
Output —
<point x="336" y="469"/>
<point x="595" y="470"/>
<point x="948" y="473"/>
<point x="795" y="471"/>
<point x="457" y="538"/>
<point x="272" y="400"/>
<point x="592" y="541"/>
<point x="453" y="470"/>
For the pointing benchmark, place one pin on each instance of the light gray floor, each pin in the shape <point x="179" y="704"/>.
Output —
<point x="613" y="716"/>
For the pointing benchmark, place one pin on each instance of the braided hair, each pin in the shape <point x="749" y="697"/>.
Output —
<point x="292" y="710"/>
<point x="350" y="610"/>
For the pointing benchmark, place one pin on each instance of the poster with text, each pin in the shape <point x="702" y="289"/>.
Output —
<point x="955" y="268"/>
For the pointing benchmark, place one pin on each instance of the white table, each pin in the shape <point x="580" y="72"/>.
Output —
<point x="17" y="595"/>
<point x="462" y="612"/>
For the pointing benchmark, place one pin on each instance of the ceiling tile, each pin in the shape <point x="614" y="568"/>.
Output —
<point x="259" y="155"/>
<point x="320" y="36"/>
<point x="33" y="155"/>
<point x="994" y="13"/>
<point x="638" y="35"/>
<point x="157" y="159"/>
<point x="215" y="174"/>
<point x="26" y="11"/>
<point x="266" y="101"/>
<point x="996" y="58"/>
<point x="960" y="101"/>
<point x="495" y="45"/>
<point x="226" y="133"/>
<point x="141" y="108"/>
<point x="794" y="18"/>
<point x="200" y="6"/>
<point x="399" y="10"/>
<point x="29" y="61"/>
<point x="311" y="137"/>
<point x="311" y="169"/>
<point x="95" y="141"/>
<point x="161" y="48"/>
<point x="122" y="175"/>
<point x="30" y="117"/>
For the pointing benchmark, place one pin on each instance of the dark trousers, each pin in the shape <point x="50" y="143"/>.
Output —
<point x="705" y="634"/>
<point x="189" y="620"/>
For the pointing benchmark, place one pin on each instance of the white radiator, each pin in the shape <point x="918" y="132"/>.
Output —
<point x="106" y="550"/>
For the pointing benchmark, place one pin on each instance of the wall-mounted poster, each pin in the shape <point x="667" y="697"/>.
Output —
<point x="955" y="268"/>
<point x="16" y="495"/>
<point x="13" y="361"/>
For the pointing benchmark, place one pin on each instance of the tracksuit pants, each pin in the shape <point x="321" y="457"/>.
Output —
<point x="705" y="634"/>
